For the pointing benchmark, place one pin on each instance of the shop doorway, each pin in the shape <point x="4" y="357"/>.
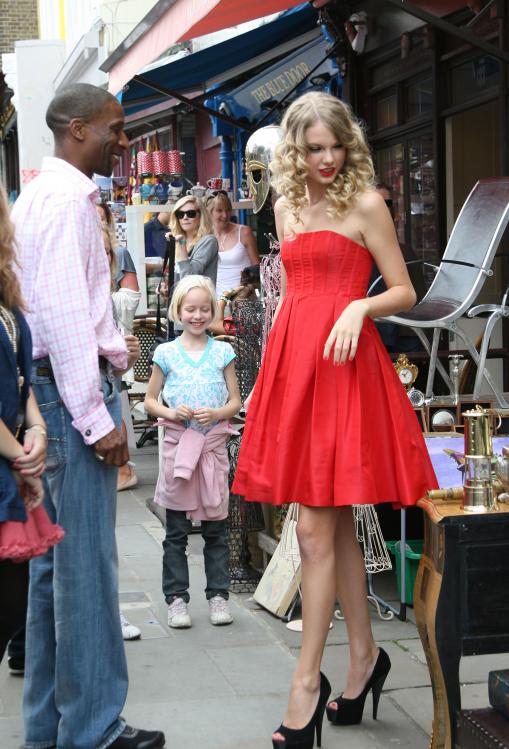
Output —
<point x="472" y="140"/>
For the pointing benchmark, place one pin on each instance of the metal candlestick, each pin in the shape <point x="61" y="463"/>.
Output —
<point x="455" y="367"/>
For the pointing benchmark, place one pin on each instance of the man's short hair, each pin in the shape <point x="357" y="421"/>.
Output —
<point x="79" y="100"/>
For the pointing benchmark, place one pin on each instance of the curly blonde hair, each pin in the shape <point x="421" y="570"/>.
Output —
<point x="289" y="167"/>
<point x="205" y="226"/>
<point x="10" y="291"/>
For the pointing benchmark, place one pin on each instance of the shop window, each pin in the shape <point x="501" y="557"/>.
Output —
<point x="407" y="168"/>
<point x="423" y="228"/>
<point x="472" y="77"/>
<point x="390" y="171"/>
<point x="419" y="98"/>
<point x="386" y="111"/>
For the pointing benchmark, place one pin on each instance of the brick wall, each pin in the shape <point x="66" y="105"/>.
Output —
<point x="18" y="20"/>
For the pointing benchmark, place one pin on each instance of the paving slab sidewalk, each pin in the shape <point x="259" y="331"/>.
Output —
<point x="226" y="687"/>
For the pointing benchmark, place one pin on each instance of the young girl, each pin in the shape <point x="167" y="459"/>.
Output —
<point x="25" y="528"/>
<point x="196" y="376"/>
<point x="329" y="423"/>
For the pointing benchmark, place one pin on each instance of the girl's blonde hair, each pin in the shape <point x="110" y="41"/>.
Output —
<point x="112" y="257"/>
<point x="109" y="223"/>
<point x="289" y="167"/>
<point x="183" y="288"/>
<point x="205" y="226"/>
<point x="10" y="291"/>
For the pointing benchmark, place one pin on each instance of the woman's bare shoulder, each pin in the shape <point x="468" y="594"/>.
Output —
<point x="369" y="202"/>
<point x="281" y="207"/>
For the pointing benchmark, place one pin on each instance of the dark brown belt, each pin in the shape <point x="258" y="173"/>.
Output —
<point x="47" y="370"/>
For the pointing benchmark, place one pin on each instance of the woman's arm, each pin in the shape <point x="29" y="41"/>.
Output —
<point x="204" y="252"/>
<point x="380" y="239"/>
<point x="248" y="239"/>
<point x="152" y="405"/>
<point x="129" y="281"/>
<point x="280" y="215"/>
<point x="10" y="448"/>
<point x="35" y="443"/>
<point x="217" y="327"/>
<point x="206" y="416"/>
<point x="125" y="262"/>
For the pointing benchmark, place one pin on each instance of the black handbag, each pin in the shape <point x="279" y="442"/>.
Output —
<point x="162" y="335"/>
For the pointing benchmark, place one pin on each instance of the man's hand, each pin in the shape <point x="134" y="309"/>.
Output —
<point x="133" y="349"/>
<point x="133" y="354"/>
<point x="112" y="448"/>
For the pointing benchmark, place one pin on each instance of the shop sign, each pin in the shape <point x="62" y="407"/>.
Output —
<point x="274" y="83"/>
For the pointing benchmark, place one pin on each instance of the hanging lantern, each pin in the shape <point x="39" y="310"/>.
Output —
<point x="159" y="162"/>
<point x="173" y="162"/>
<point x="145" y="162"/>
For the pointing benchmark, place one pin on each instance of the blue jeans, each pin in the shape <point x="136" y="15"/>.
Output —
<point x="76" y="671"/>
<point x="215" y="552"/>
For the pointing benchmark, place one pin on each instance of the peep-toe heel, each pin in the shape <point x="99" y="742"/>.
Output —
<point x="348" y="712"/>
<point x="304" y="738"/>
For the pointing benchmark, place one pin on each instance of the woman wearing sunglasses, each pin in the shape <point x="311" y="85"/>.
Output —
<point x="196" y="247"/>
<point x="237" y="243"/>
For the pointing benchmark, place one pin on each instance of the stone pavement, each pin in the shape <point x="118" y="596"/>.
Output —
<point x="226" y="688"/>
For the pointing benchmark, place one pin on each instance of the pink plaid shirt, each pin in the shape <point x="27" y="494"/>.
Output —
<point x="65" y="280"/>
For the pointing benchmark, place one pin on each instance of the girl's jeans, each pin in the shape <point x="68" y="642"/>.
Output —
<point x="216" y="554"/>
<point x="76" y="672"/>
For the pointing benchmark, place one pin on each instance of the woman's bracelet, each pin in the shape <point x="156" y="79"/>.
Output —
<point x="37" y="428"/>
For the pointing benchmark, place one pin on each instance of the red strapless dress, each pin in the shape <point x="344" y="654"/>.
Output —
<point x="325" y="435"/>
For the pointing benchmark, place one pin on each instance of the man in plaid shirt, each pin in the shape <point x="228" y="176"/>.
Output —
<point x="76" y="673"/>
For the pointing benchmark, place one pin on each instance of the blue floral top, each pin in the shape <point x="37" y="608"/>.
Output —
<point x="194" y="380"/>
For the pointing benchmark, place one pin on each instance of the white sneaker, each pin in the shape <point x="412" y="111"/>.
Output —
<point x="178" y="615"/>
<point x="129" y="631"/>
<point x="219" y="611"/>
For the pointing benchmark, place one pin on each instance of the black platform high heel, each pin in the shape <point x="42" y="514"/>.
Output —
<point x="304" y="738"/>
<point x="349" y="712"/>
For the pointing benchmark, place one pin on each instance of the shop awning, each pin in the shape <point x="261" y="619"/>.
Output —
<point x="197" y="69"/>
<point x="171" y="21"/>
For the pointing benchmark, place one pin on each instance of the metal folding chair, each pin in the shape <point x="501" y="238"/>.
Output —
<point x="460" y="277"/>
<point x="145" y="329"/>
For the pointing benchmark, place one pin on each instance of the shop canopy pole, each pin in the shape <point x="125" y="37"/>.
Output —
<point x="449" y="28"/>
<point x="192" y="103"/>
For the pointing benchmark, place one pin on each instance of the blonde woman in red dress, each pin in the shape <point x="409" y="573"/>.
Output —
<point x="329" y="424"/>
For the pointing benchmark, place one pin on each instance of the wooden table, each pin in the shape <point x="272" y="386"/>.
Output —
<point x="461" y="600"/>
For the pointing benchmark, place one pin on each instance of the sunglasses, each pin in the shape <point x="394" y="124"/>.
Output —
<point x="190" y="214"/>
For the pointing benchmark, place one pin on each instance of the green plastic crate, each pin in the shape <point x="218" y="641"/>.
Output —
<point x="412" y="556"/>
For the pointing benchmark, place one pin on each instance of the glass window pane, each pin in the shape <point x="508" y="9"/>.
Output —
<point x="387" y="111"/>
<point x="390" y="164"/>
<point x="423" y="229"/>
<point x="471" y="78"/>
<point x="419" y="98"/>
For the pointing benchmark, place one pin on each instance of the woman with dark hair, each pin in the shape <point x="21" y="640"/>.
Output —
<point x="25" y="529"/>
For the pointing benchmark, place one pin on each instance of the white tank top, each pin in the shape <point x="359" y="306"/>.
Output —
<point x="231" y="263"/>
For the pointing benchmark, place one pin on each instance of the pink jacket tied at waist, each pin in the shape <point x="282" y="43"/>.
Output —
<point x="194" y="472"/>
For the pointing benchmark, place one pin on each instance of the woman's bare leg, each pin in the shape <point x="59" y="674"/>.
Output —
<point x="352" y="593"/>
<point x="316" y="534"/>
